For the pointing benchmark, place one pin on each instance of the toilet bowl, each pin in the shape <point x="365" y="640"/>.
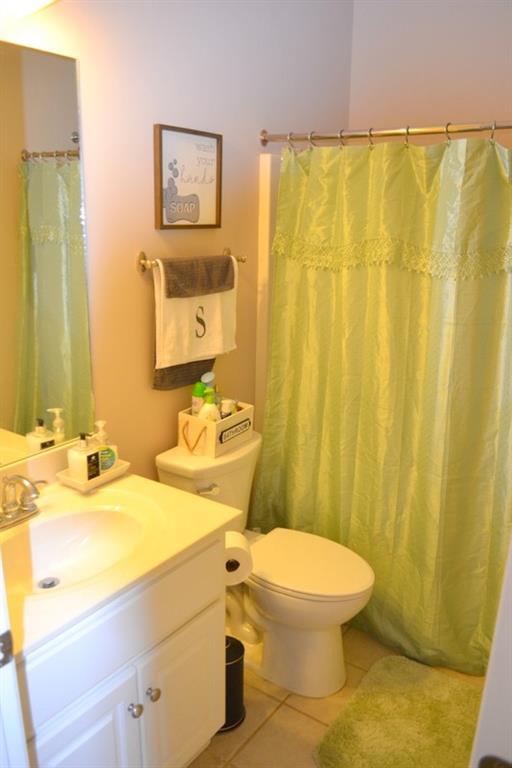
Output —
<point x="301" y="589"/>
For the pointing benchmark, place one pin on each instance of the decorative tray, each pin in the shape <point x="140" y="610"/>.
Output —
<point x="89" y="485"/>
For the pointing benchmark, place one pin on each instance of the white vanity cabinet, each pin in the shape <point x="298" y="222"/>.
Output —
<point x="138" y="683"/>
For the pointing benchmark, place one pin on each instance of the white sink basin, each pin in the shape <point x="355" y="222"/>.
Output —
<point x="69" y="548"/>
<point x="98" y="545"/>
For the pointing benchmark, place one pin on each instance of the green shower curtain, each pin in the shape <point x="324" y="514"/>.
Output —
<point x="55" y="364"/>
<point x="388" y="423"/>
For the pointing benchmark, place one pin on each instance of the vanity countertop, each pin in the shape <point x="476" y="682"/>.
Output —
<point x="99" y="545"/>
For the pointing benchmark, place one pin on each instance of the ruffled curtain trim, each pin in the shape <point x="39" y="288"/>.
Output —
<point x="316" y="254"/>
<point x="48" y="233"/>
<point x="443" y="210"/>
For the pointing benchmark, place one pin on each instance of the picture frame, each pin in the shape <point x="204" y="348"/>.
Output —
<point x="188" y="178"/>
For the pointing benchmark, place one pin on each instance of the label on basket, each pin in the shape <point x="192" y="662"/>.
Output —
<point x="231" y="432"/>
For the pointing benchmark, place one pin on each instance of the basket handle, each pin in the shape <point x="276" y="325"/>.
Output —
<point x="184" y="432"/>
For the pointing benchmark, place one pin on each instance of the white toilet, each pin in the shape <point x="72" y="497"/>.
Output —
<point x="301" y="589"/>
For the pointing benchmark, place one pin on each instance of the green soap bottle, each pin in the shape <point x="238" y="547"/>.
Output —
<point x="108" y="453"/>
<point x="197" y="397"/>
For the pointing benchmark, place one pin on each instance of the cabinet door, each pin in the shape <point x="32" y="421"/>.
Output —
<point x="187" y="670"/>
<point x="99" y="732"/>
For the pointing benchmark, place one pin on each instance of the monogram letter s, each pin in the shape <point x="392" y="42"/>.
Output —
<point x="201" y="322"/>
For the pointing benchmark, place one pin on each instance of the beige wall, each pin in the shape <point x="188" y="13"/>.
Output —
<point x="226" y="67"/>
<point x="426" y="62"/>
<point x="11" y="142"/>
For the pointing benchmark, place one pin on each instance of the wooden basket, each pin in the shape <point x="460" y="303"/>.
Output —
<point x="203" y="437"/>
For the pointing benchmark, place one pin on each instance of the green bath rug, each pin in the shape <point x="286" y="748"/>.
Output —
<point x="403" y="715"/>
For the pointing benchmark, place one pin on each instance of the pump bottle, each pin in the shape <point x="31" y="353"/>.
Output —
<point x="108" y="453"/>
<point x="40" y="437"/>
<point x="84" y="460"/>
<point x="58" y="424"/>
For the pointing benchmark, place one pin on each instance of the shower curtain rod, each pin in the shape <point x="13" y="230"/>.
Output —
<point x="371" y="133"/>
<point x="26" y="155"/>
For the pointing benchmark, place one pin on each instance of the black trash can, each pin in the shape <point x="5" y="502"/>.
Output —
<point x="235" y="710"/>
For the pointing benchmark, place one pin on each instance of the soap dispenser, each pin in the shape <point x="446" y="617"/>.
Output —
<point x="108" y="453"/>
<point x="83" y="460"/>
<point x="40" y="437"/>
<point x="58" y="424"/>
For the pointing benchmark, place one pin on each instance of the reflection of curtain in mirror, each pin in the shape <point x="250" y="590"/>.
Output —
<point x="388" y="423"/>
<point x="55" y="364"/>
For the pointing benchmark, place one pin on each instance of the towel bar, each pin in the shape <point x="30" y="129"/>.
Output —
<point x="143" y="263"/>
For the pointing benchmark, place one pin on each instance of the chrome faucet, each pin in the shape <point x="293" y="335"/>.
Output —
<point x="16" y="508"/>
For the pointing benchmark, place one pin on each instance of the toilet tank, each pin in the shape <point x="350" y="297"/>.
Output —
<point x="227" y="479"/>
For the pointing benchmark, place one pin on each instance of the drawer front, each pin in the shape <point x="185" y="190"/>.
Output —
<point x="81" y="657"/>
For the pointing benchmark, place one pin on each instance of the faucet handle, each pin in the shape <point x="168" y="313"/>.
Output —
<point x="28" y="494"/>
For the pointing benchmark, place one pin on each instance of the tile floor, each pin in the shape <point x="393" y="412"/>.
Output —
<point x="281" y="729"/>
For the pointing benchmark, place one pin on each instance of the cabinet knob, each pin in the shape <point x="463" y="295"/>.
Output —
<point x="135" y="710"/>
<point x="154" y="693"/>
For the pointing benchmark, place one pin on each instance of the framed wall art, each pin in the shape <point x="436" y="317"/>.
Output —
<point x="188" y="178"/>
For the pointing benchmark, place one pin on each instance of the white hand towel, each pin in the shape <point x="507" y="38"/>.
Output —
<point x="194" y="328"/>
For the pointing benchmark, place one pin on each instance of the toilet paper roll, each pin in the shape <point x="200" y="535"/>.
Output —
<point x="238" y="562"/>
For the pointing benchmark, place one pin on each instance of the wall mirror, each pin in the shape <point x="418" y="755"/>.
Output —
<point x="44" y="328"/>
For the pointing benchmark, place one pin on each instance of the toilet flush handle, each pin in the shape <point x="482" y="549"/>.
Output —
<point x="210" y="490"/>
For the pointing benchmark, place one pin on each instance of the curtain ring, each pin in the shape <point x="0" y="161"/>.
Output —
<point x="290" y="142"/>
<point x="407" y="128"/>
<point x="370" y="140"/>
<point x="493" y="128"/>
<point x="340" y="137"/>
<point x="310" y="139"/>
<point x="447" y="133"/>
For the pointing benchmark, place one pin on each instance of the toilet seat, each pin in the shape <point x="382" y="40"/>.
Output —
<point x="309" y="567"/>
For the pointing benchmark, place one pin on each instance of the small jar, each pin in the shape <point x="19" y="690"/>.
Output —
<point x="227" y="407"/>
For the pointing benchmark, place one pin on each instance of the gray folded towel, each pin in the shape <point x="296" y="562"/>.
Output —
<point x="198" y="276"/>
<point x="177" y="376"/>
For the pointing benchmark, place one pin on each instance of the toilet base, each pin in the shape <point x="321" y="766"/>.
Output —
<point x="307" y="662"/>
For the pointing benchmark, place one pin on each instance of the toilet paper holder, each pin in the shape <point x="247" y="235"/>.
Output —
<point x="237" y="558"/>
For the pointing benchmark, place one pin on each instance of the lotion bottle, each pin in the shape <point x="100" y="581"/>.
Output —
<point x="83" y="460"/>
<point x="209" y="410"/>
<point x="40" y="437"/>
<point x="58" y="424"/>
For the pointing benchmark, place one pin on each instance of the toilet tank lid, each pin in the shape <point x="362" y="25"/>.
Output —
<point x="309" y="565"/>
<point x="181" y="462"/>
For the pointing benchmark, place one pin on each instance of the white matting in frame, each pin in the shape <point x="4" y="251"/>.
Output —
<point x="188" y="169"/>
